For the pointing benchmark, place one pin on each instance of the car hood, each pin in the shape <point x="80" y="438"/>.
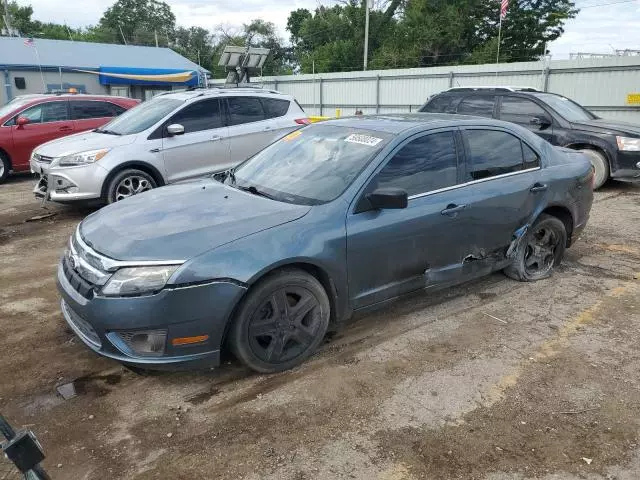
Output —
<point x="603" y="125"/>
<point x="82" y="142"/>
<point x="182" y="221"/>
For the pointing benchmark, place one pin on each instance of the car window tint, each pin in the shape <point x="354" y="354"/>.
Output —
<point x="84" y="109"/>
<point x="274" y="107"/>
<point x="492" y="153"/>
<point x="425" y="164"/>
<point x="531" y="158"/>
<point x="244" y="110"/>
<point x="440" y="104"/>
<point x="47" y="112"/>
<point x="202" y="115"/>
<point x="519" y="110"/>
<point x="481" y="105"/>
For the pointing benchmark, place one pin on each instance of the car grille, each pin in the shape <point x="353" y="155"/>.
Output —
<point x="78" y="283"/>
<point x="80" y="325"/>
<point x="42" y="158"/>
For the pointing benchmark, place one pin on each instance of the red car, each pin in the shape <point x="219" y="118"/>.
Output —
<point x="31" y="120"/>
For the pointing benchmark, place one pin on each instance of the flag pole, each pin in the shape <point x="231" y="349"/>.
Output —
<point x="499" y="36"/>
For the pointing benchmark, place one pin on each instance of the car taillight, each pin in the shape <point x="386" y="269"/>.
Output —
<point x="302" y="121"/>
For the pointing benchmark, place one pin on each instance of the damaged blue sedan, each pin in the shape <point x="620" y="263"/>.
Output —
<point x="334" y="218"/>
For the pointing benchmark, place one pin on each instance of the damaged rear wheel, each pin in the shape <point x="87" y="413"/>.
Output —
<point x="540" y="251"/>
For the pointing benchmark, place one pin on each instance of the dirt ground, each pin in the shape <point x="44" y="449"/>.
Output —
<point x="492" y="380"/>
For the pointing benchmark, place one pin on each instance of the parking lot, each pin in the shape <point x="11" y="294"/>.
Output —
<point x="491" y="380"/>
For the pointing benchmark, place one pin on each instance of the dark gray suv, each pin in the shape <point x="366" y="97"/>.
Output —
<point x="337" y="217"/>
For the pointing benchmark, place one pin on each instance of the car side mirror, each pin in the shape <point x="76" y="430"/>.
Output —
<point x="388" y="198"/>
<point x="175" y="129"/>
<point x="540" y="121"/>
<point x="22" y="121"/>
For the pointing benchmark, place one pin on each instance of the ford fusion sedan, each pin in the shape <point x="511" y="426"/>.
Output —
<point x="173" y="137"/>
<point x="30" y="120"/>
<point x="334" y="218"/>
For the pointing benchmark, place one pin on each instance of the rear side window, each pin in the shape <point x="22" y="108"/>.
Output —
<point x="198" y="116"/>
<point x="244" y="110"/>
<point x="425" y="164"/>
<point x="531" y="158"/>
<point x="481" y="105"/>
<point x="441" y="104"/>
<point x="83" y="109"/>
<point x="46" y="112"/>
<point x="492" y="153"/>
<point x="274" y="107"/>
<point x="519" y="110"/>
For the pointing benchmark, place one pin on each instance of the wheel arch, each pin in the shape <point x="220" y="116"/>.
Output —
<point x="140" y="165"/>
<point x="590" y="146"/>
<point x="6" y="155"/>
<point x="563" y="214"/>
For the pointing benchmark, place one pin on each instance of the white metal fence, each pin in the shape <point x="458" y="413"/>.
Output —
<point x="601" y="85"/>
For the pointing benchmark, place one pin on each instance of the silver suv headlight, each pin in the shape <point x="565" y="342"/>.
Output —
<point x="628" y="144"/>
<point x="138" y="280"/>
<point x="82" y="158"/>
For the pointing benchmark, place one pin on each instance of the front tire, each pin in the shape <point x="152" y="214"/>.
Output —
<point x="5" y="166"/>
<point x="540" y="251"/>
<point x="281" y="322"/>
<point x="128" y="183"/>
<point x="600" y="166"/>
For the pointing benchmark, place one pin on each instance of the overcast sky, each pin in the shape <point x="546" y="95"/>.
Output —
<point x="601" y="26"/>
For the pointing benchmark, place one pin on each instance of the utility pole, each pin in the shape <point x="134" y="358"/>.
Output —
<point x="123" y="39"/>
<point x="7" y="18"/>
<point x="366" y="33"/>
<point x="155" y="32"/>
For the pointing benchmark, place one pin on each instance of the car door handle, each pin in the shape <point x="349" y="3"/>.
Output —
<point x="65" y="129"/>
<point x="453" y="209"/>
<point x="216" y="138"/>
<point x="538" y="187"/>
<point x="266" y="129"/>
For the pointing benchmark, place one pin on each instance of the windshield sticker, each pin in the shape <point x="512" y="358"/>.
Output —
<point x="292" y="135"/>
<point x="363" y="139"/>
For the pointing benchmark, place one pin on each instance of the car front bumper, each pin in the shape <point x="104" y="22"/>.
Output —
<point x="69" y="184"/>
<point x="184" y="312"/>
<point x="627" y="167"/>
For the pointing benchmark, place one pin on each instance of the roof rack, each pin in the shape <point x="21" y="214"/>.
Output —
<point x="492" y="88"/>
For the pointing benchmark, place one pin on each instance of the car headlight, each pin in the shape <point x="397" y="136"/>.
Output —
<point x="627" y="144"/>
<point x="138" y="280"/>
<point x="82" y="158"/>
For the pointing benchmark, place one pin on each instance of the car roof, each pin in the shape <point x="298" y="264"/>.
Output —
<point x="80" y="96"/>
<point x="214" y="91"/>
<point x="396" y="123"/>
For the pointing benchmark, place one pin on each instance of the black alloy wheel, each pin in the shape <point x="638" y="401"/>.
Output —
<point x="281" y="322"/>
<point x="541" y="250"/>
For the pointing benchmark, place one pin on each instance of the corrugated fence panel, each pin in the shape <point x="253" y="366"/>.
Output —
<point x="601" y="84"/>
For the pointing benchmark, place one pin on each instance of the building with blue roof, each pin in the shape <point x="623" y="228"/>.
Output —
<point x="39" y="65"/>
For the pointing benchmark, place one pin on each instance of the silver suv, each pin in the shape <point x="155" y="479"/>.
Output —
<point x="173" y="137"/>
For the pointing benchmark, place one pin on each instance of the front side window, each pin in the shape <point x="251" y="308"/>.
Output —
<point x="567" y="108"/>
<point x="481" y="105"/>
<point x="47" y="112"/>
<point x="519" y="110"/>
<point x="141" y="117"/>
<point x="202" y="115"/>
<point x="423" y="165"/>
<point x="84" y="109"/>
<point x="310" y="166"/>
<point x="491" y="153"/>
<point x="244" y="110"/>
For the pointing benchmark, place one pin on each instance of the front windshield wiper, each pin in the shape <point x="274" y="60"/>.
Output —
<point x="108" y="132"/>
<point x="252" y="189"/>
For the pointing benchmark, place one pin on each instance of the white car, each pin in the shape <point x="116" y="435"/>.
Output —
<point x="172" y="137"/>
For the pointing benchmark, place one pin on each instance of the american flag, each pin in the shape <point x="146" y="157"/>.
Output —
<point x="28" y="42"/>
<point x="504" y="5"/>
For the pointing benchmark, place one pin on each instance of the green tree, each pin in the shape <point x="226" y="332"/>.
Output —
<point x="139" y="21"/>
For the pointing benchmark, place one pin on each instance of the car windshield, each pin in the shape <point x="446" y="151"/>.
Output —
<point x="310" y="166"/>
<point x="141" y="117"/>
<point x="566" y="108"/>
<point x="13" y="105"/>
